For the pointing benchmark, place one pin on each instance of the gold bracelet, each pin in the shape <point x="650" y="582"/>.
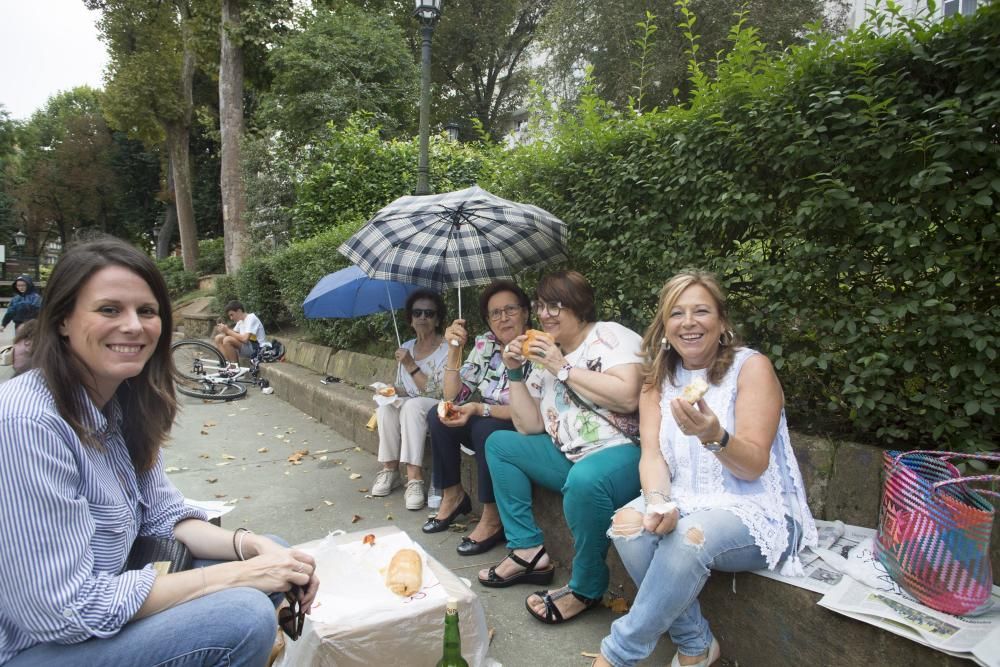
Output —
<point x="453" y="370"/>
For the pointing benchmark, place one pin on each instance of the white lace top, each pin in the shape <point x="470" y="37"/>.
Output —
<point x="699" y="481"/>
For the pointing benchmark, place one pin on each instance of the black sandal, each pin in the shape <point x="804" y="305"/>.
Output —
<point x="530" y="575"/>
<point x="552" y="614"/>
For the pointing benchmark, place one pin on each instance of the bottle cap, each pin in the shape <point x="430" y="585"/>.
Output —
<point x="452" y="604"/>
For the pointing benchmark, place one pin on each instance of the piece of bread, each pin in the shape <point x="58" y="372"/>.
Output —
<point x="530" y="336"/>
<point x="694" y="391"/>
<point x="405" y="574"/>
<point x="387" y="391"/>
<point x="448" y="411"/>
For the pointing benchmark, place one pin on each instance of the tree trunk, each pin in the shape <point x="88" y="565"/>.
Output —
<point x="179" y="149"/>
<point x="231" y="126"/>
<point x="169" y="217"/>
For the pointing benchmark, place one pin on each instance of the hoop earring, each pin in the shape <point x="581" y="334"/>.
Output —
<point x="727" y="338"/>
<point x="664" y="345"/>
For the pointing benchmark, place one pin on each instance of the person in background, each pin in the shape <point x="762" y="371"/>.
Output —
<point x="506" y="308"/>
<point x="25" y="305"/>
<point x="82" y="477"/>
<point x="576" y="420"/>
<point x="402" y="424"/>
<point x="22" y="346"/>
<point x="721" y="489"/>
<point x="244" y="338"/>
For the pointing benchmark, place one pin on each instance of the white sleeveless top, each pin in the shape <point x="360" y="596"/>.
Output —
<point x="699" y="481"/>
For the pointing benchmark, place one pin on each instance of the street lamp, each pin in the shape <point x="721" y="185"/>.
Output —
<point x="427" y="12"/>
<point x="452" y="129"/>
<point x="20" y="238"/>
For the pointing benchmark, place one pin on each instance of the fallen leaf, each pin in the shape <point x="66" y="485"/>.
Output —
<point x="220" y="495"/>
<point x="176" y="469"/>
<point x="297" y="456"/>
<point x="322" y="451"/>
<point x="458" y="527"/>
<point x="212" y="480"/>
<point x="388" y="517"/>
<point x="224" y="463"/>
<point x="369" y="539"/>
<point x="585" y="654"/>
<point x="309" y="509"/>
<point x="492" y="632"/>
<point x="357" y="517"/>
<point x="355" y="475"/>
<point x="259" y="433"/>
<point x="328" y="503"/>
<point x="229" y="457"/>
<point x="204" y="456"/>
<point x="209" y="424"/>
<point x="204" y="432"/>
<point x="262" y="450"/>
<point x="322" y="458"/>
<point x="357" y="449"/>
<point x="617" y="605"/>
<point x="364" y="490"/>
<point x="347" y="467"/>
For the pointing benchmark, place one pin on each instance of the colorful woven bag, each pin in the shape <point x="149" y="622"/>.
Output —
<point x="934" y="530"/>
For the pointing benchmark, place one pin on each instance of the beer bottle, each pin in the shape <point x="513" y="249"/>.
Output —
<point x="452" y="656"/>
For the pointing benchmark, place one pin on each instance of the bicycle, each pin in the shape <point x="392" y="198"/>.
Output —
<point x="200" y="371"/>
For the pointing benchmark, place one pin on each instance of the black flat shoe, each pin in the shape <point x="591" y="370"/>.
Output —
<point x="471" y="547"/>
<point x="435" y="525"/>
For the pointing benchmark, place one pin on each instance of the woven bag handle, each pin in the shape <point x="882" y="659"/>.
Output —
<point x="959" y="480"/>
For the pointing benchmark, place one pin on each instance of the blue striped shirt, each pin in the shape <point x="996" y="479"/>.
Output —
<point x="68" y="516"/>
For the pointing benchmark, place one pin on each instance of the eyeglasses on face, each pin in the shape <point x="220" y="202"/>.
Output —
<point x="424" y="312"/>
<point x="510" y="311"/>
<point x="292" y="618"/>
<point x="541" y="307"/>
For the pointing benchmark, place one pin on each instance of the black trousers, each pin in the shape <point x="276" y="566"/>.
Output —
<point x="447" y="457"/>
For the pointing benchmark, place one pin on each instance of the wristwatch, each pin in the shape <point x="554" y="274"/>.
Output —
<point x="718" y="445"/>
<point x="486" y="410"/>
<point x="563" y="374"/>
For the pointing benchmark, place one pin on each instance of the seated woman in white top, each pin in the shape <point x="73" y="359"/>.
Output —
<point x="402" y="424"/>
<point x="721" y="489"/>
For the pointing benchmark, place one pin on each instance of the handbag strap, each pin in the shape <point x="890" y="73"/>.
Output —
<point x="975" y="478"/>
<point x="944" y="456"/>
<point x="584" y="405"/>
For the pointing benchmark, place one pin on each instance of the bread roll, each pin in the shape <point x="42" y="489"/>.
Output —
<point x="405" y="574"/>
<point x="530" y="336"/>
<point x="694" y="391"/>
<point x="447" y="411"/>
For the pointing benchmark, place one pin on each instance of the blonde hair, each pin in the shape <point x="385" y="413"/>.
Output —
<point x="659" y="364"/>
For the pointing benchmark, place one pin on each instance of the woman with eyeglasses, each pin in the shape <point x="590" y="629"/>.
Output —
<point x="83" y="478"/>
<point x="506" y="307"/>
<point x="577" y="425"/>
<point x="402" y="424"/>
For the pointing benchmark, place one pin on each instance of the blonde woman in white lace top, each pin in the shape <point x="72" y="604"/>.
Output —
<point x="721" y="489"/>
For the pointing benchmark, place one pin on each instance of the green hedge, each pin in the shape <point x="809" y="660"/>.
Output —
<point x="847" y="196"/>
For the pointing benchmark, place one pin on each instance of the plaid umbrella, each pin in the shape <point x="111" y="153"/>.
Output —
<point x="466" y="237"/>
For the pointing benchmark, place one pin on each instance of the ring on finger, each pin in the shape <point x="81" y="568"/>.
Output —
<point x="506" y="349"/>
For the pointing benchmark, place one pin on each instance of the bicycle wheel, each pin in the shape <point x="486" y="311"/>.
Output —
<point x="209" y="390"/>
<point x="193" y="359"/>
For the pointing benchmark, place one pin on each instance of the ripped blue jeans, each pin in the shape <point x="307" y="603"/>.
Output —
<point x="670" y="571"/>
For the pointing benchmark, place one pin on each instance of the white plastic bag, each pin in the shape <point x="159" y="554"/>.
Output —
<point x="7" y="355"/>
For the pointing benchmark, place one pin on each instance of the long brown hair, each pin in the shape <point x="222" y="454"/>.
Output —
<point x="147" y="400"/>
<point x="658" y="363"/>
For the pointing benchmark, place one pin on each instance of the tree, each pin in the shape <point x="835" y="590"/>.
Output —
<point x="231" y="129"/>
<point x="149" y="91"/>
<point x="339" y="62"/>
<point x="604" y="35"/>
<point x="66" y="177"/>
<point x="8" y="174"/>
<point x="480" y="58"/>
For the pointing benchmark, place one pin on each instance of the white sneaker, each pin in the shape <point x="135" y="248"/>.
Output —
<point x="385" y="481"/>
<point x="414" y="494"/>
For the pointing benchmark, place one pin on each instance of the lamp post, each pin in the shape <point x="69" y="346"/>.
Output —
<point x="453" y="130"/>
<point x="427" y="12"/>
<point x="20" y="238"/>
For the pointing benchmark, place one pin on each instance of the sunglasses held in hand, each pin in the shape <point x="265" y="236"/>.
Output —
<point x="292" y="618"/>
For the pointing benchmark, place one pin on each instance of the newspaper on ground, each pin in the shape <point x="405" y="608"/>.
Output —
<point x="853" y="582"/>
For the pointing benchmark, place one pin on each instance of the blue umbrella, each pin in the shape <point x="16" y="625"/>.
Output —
<point x="351" y="293"/>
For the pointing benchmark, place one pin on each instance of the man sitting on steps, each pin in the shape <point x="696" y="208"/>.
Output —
<point x="245" y="338"/>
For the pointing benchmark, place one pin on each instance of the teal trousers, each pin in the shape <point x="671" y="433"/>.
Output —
<point x="592" y="489"/>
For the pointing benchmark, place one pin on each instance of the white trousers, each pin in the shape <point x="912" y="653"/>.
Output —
<point x="402" y="430"/>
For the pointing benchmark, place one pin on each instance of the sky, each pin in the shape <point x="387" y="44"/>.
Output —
<point x="46" y="46"/>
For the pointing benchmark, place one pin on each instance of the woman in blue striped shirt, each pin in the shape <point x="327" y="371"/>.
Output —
<point x="82" y="477"/>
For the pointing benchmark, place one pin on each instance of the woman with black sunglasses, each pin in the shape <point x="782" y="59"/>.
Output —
<point x="402" y="423"/>
<point x="507" y="309"/>
<point x="83" y="478"/>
